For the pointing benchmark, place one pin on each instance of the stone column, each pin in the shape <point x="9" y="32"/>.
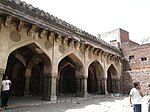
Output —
<point x="99" y="85"/>
<point x="27" y="81"/>
<point x="53" y="87"/>
<point x="104" y="86"/>
<point x="27" y="85"/>
<point x="104" y="82"/>
<point x="81" y="86"/>
<point x="57" y="86"/>
<point x="49" y="89"/>
<point x="85" y="86"/>
<point x="41" y="84"/>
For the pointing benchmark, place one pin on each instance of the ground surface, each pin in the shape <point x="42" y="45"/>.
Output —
<point x="98" y="104"/>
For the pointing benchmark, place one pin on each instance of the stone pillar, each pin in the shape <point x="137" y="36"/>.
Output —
<point x="99" y="86"/>
<point x="81" y="86"/>
<point x="49" y="89"/>
<point x="27" y="81"/>
<point x="104" y="86"/>
<point x="57" y="86"/>
<point x="104" y="82"/>
<point x="41" y="85"/>
<point x="27" y="85"/>
<point x="53" y="87"/>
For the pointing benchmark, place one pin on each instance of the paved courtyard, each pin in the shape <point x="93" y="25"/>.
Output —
<point x="96" y="104"/>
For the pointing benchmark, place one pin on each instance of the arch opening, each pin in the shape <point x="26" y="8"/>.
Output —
<point x="112" y="82"/>
<point x="95" y="74"/>
<point x="25" y="68"/>
<point x="68" y="69"/>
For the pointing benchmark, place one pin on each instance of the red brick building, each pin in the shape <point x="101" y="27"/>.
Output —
<point x="136" y="62"/>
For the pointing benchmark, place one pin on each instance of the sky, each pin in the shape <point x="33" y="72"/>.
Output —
<point x="100" y="16"/>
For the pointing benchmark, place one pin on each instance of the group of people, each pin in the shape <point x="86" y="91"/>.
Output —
<point x="135" y="98"/>
<point x="135" y="95"/>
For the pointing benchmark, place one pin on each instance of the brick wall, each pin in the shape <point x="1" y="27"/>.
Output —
<point x="124" y="36"/>
<point x="138" y="57"/>
<point x="136" y="65"/>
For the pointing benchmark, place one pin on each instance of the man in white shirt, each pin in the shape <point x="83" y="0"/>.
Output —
<point x="135" y="97"/>
<point x="6" y="83"/>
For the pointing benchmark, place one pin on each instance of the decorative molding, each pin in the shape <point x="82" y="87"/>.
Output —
<point x="44" y="33"/>
<point x="8" y="21"/>
<point x="1" y="22"/>
<point x="21" y="25"/>
<point x="48" y="44"/>
<point x="15" y="36"/>
<point x="31" y="30"/>
<point x="65" y="40"/>
<point x="52" y="35"/>
<point x="61" y="48"/>
<point x="82" y="48"/>
<point x="60" y="39"/>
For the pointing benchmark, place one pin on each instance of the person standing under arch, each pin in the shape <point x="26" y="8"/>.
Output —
<point x="6" y="83"/>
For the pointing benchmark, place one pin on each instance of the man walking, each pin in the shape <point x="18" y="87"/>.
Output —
<point x="135" y="97"/>
<point x="6" y="83"/>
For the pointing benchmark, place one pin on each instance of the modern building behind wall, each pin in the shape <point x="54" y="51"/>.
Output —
<point x="136" y="63"/>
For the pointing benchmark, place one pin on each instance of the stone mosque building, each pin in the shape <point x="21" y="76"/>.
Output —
<point x="45" y="56"/>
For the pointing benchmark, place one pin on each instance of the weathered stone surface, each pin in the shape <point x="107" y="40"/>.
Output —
<point x="15" y="36"/>
<point x="44" y="46"/>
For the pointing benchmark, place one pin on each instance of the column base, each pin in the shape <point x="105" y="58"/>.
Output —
<point x="106" y="92"/>
<point x="79" y="94"/>
<point x="49" y="97"/>
<point x="26" y="94"/>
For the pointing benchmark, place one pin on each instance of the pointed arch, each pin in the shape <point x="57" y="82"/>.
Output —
<point x="68" y="69"/>
<point x="95" y="73"/>
<point x="99" y="67"/>
<point x="73" y="56"/>
<point x="27" y="43"/>
<point x="112" y="80"/>
<point x="37" y="65"/>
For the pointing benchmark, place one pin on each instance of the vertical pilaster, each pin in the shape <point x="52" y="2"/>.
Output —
<point x="49" y="89"/>
<point x="104" y="86"/>
<point x="41" y="85"/>
<point x="27" y="85"/>
<point x="46" y="88"/>
<point x="104" y="82"/>
<point x="99" y="82"/>
<point x="57" y="86"/>
<point x="81" y="86"/>
<point x="27" y="81"/>
<point x="53" y="87"/>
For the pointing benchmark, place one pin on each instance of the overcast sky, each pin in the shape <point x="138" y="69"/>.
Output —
<point x="100" y="16"/>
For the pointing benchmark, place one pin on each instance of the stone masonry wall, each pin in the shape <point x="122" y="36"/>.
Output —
<point x="131" y="76"/>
